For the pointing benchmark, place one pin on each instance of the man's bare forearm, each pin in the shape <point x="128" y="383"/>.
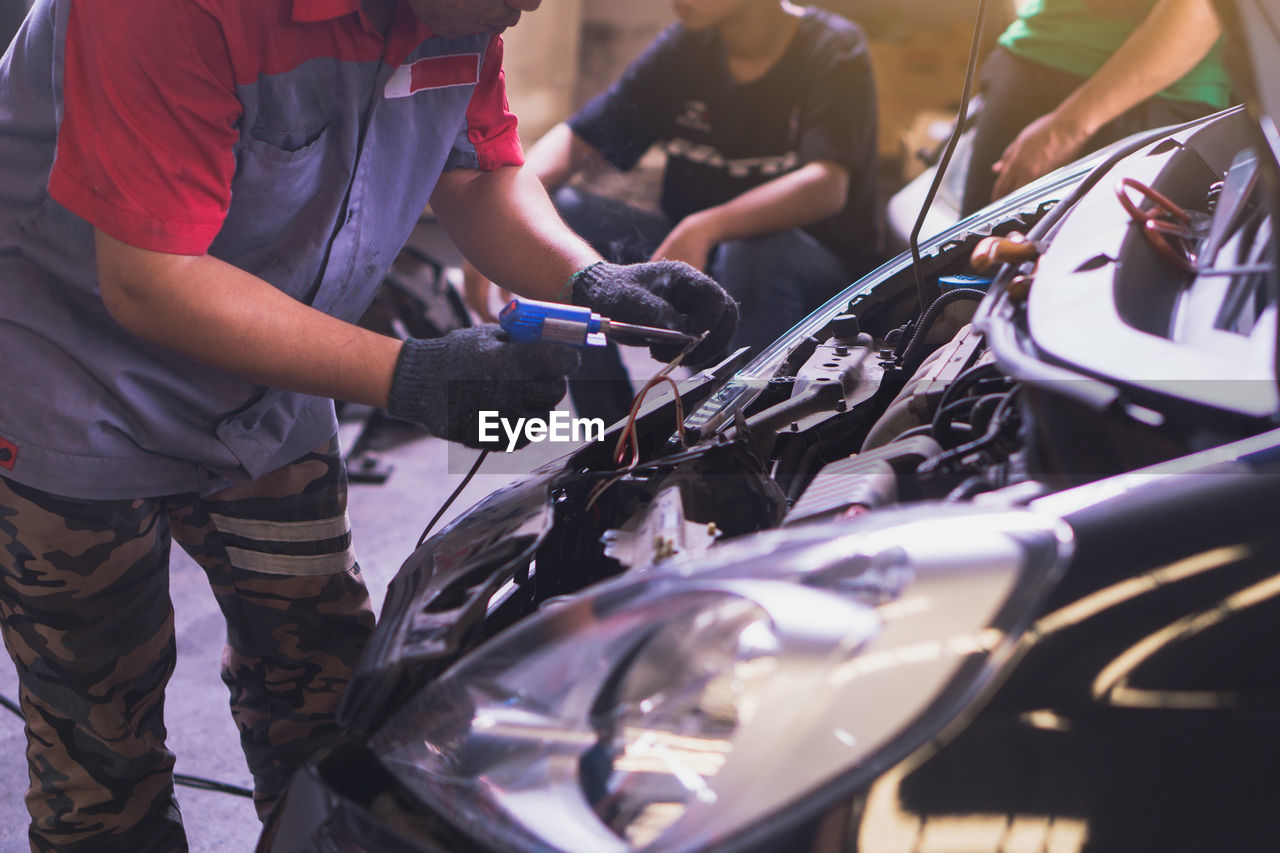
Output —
<point x="809" y="194"/>
<point x="559" y="155"/>
<point x="222" y="316"/>
<point x="504" y="223"/>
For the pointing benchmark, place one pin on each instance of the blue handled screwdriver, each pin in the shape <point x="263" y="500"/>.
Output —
<point x="531" y="320"/>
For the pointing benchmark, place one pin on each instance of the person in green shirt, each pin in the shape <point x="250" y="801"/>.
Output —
<point x="1071" y="76"/>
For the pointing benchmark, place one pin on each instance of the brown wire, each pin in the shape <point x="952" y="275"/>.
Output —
<point x="628" y="434"/>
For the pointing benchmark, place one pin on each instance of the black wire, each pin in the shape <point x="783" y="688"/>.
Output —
<point x="202" y="784"/>
<point x="185" y="779"/>
<point x="942" y="420"/>
<point x="927" y="429"/>
<point x="929" y="317"/>
<point x="998" y="417"/>
<point x="453" y="497"/>
<point x="985" y="371"/>
<point x="969" y="73"/>
<point x="970" y="487"/>
<point x="657" y="464"/>
<point x="652" y="464"/>
<point x="983" y="410"/>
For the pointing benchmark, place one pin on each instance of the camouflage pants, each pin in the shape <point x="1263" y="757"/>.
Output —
<point x="84" y="598"/>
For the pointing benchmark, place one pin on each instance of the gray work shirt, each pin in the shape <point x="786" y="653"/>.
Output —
<point x="286" y="137"/>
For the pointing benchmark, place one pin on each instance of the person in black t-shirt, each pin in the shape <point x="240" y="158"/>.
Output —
<point x="767" y="113"/>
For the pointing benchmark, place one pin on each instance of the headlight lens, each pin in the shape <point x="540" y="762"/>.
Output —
<point x="677" y="709"/>
<point x="666" y="726"/>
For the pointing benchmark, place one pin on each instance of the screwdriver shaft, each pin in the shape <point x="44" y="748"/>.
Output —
<point x="649" y="333"/>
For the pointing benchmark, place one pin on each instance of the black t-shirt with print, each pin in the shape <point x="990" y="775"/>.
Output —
<point x="723" y="138"/>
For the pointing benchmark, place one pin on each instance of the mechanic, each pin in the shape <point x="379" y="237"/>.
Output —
<point x="1107" y="69"/>
<point x="199" y="200"/>
<point x="767" y="112"/>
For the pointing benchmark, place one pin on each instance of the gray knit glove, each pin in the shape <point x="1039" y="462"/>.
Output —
<point x="444" y="383"/>
<point x="669" y="294"/>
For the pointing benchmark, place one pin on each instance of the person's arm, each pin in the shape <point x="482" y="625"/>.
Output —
<point x="504" y="223"/>
<point x="225" y="317"/>
<point x="554" y="159"/>
<point x="811" y="193"/>
<point x="616" y="126"/>
<point x="559" y="155"/>
<point x="1175" y="36"/>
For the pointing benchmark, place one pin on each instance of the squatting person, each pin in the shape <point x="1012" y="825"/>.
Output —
<point x="767" y="114"/>
<point x="1071" y="76"/>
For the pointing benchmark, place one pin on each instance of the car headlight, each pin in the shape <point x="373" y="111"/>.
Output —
<point x="666" y="726"/>
<point x="679" y="708"/>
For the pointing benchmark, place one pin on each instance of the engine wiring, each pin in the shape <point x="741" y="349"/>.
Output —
<point x="628" y="435"/>
<point x="629" y="438"/>
<point x="1005" y="413"/>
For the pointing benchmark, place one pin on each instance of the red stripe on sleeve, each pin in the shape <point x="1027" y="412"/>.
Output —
<point x="491" y="127"/>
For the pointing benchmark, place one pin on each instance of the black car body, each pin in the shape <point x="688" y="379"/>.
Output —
<point x="1007" y="567"/>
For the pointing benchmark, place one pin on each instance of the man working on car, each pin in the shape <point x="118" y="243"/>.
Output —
<point x="767" y="113"/>
<point x="199" y="199"/>
<point x="1071" y="76"/>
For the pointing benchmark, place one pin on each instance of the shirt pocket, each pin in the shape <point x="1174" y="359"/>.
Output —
<point x="278" y="194"/>
<point x="285" y="146"/>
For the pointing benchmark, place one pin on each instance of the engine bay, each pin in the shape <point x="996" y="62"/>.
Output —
<point x="1061" y="345"/>
<point x="1133" y="358"/>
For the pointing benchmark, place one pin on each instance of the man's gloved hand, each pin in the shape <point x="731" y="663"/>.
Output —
<point x="443" y="383"/>
<point x="670" y="294"/>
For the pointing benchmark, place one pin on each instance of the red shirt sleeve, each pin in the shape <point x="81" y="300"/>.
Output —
<point x="491" y="127"/>
<point x="146" y="145"/>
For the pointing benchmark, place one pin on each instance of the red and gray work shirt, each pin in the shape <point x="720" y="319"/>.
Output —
<point x="286" y="137"/>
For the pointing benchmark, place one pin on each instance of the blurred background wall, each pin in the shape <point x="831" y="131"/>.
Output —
<point x="542" y="65"/>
